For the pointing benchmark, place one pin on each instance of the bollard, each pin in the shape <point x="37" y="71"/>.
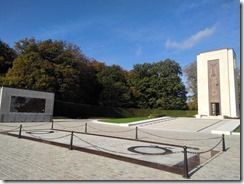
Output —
<point x="71" y="141"/>
<point x="185" y="174"/>
<point x="86" y="128"/>
<point x="20" y="127"/>
<point x="52" y="125"/>
<point x="223" y="142"/>
<point x="136" y="133"/>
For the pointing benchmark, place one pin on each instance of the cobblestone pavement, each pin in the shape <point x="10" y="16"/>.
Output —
<point x="23" y="159"/>
<point x="28" y="160"/>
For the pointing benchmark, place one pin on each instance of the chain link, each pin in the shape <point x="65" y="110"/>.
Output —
<point x="201" y="152"/>
<point x="6" y="131"/>
<point x="108" y="150"/>
<point x="104" y="149"/>
<point x="119" y="152"/>
<point x="177" y="138"/>
<point x="25" y="125"/>
<point x="48" y="138"/>
<point x="8" y="125"/>
<point x="37" y="125"/>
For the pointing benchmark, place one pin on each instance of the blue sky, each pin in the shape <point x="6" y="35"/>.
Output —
<point x="127" y="32"/>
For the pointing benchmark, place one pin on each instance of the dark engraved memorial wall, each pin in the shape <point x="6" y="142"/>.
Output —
<point x="27" y="104"/>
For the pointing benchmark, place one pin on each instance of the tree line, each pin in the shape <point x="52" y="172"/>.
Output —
<point x="62" y="68"/>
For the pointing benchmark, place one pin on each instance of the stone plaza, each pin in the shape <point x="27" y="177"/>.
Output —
<point x="24" y="159"/>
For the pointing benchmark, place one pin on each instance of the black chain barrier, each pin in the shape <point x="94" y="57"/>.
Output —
<point x="46" y="138"/>
<point x="53" y="138"/>
<point x="206" y="150"/>
<point x="178" y="138"/>
<point x="26" y="125"/>
<point x="119" y="152"/>
<point x="185" y="151"/>
<point x="49" y="138"/>
<point x="6" y="131"/>
<point x="7" y="125"/>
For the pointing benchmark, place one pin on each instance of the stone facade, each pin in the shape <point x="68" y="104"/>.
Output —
<point x="20" y="105"/>
<point x="217" y="84"/>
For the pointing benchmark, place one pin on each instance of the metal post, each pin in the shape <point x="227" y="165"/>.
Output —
<point x="185" y="174"/>
<point x="52" y="125"/>
<point x="223" y="142"/>
<point x="20" y="127"/>
<point x="71" y="141"/>
<point x="136" y="133"/>
<point x="86" y="128"/>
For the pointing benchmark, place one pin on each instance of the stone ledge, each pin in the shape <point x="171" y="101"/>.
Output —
<point x="148" y="121"/>
<point x="199" y="116"/>
<point x="227" y="128"/>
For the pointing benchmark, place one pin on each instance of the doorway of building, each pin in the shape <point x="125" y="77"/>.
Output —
<point x="215" y="109"/>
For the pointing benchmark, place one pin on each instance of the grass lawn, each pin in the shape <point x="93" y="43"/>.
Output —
<point x="238" y="129"/>
<point x="124" y="120"/>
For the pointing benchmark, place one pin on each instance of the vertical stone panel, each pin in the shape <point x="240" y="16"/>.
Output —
<point x="214" y="82"/>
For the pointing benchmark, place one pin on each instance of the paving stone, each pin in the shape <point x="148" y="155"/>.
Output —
<point x="23" y="159"/>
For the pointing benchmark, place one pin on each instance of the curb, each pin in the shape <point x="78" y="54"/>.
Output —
<point x="133" y="123"/>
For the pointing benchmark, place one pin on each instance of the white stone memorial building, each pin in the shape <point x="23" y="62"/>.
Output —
<point x="21" y="105"/>
<point x="217" y="84"/>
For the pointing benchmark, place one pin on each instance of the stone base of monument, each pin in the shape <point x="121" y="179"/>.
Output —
<point x="210" y="117"/>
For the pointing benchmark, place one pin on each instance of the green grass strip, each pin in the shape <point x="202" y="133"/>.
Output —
<point x="124" y="120"/>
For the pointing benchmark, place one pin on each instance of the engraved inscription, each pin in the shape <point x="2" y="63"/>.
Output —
<point x="214" y="81"/>
<point x="27" y="104"/>
<point x="213" y="78"/>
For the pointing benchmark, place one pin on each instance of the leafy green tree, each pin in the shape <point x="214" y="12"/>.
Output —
<point x="190" y="72"/>
<point x="95" y="68"/>
<point x="139" y="79"/>
<point x="7" y="55"/>
<point x="158" y="85"/>
<point x="113" y="85"/>
<point x="54" y="66"/>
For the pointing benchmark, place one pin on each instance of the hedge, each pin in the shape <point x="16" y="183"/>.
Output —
<point x="73" y="110"/>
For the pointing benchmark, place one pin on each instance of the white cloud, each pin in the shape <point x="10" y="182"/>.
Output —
<point x="192" y="40"/>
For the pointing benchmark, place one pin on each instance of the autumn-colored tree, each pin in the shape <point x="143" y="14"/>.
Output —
<point x="113" y="85"/>
<point x="61" y="67"/>
<point x="7" y="55"/>
<point x="190" y="72"/>
<point x="54" y="66"/>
